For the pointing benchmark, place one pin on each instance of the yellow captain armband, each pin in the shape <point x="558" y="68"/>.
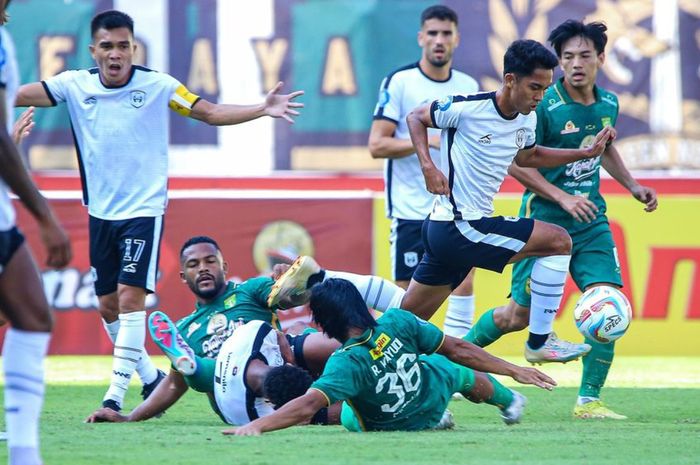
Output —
<point x="183" y="100"/>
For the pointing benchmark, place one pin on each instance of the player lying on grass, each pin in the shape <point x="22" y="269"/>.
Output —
<point x="220" y="308"/>
<point x="382" y="372"/>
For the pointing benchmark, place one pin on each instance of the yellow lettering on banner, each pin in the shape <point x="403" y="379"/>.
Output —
<point x="270" y="55"/>
<point x="202" y="78"/>
<point x="338" y="74"/>
<point x="50" y="50"/>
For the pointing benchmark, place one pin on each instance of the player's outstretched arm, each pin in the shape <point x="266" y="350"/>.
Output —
<point x="546" y="157"/>
<point x="15" y="175"/>
<point x="33" y="94"/>
<point x="383" y="144"/>
<point x="299" y="410"/>
<point x="418" y="122"/>
<point x="613" y="164"/>
<point x="168" y="391"/>
<point x="275" y="105"/>
<point x="582" y="209"/>
<point x="472" y="356"/>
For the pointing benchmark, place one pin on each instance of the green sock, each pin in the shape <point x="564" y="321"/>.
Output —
<point x="202" y="379"/>
<point x="485" y="331"/>
<point x="502" y="396"/>
<point x="596" y="365"/>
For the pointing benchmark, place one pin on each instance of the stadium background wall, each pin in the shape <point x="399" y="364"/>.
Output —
<point x="340" y="221"/>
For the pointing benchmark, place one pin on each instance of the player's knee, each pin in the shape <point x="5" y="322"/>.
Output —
<point x="561" y="241"/>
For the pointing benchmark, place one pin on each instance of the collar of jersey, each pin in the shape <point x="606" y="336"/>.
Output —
<point x="428" y="77"/>
<point x="358" y="341"/>
<point x="564" y="95"/>
<point x="131" y="75"/>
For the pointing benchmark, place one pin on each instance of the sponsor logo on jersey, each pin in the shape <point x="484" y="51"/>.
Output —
<point x="379" y="344"/>
<point x="590" y="127"/>
<point x="569" y="128"/>
<point x="444" y="103"/>
<point x="138" y="98"/>
<point x="520" y="138"/>
<point x="410" y="259"/>
<point x="192" y="328"/>
<point x="130" y="268"/>
<point x="90" y="101"/>
<point x="485" y="139"/>
<point x="230" y="302"/>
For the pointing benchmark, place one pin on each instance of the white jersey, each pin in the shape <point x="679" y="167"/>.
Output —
<point x="477" y="146"/>
<point x="9" y="80"/>
<point x="401" y="92"/>
<point x="236" y="402"/>
<point x="121" y="136"/>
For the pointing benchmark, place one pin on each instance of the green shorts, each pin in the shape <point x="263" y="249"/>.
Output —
<point x="593" y="260"/>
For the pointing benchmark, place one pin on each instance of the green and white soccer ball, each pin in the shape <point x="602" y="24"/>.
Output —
<point x="603" y="314"/>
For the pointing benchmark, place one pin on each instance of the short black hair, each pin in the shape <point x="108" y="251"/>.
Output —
<point x="440" y="12"/>
<point x="285" y="383"/>
<point x="336" y="306"/>
<point x="595" y="32"/>
<point x="198" y="240"/>
<point x="111" y="19"/>
<point x="523" y="57"/>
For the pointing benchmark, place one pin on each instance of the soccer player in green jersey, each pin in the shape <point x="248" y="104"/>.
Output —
<point x="383" y="374"/>
<point x="570" y="114"/>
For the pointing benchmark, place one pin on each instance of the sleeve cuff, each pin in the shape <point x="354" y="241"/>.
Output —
<point x="48" y="93"/>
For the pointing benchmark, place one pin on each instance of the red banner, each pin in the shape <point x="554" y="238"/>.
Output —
<point x="252" y="233"/>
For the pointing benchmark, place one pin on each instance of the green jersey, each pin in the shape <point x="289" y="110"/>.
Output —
<point x="206" y="329"/>
<point x="563" y="123"/>
<point x="383" y="377"/>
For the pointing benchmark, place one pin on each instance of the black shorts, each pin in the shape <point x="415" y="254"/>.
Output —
<point x="125" y="252"/>
<point x="406" y="247"/>
<point x="10" y="241"/>
<point x="296" y="342"/>
<point x="453" y="248"/>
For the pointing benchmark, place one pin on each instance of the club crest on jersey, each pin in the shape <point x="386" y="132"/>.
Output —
<point x="410" y="259"/>
<point x="606" y="120"/>
<point x="444" y="103"/>
<point x="520" y="138"/>
<point x="569" y="128"/>
<point x="138" y="98"/>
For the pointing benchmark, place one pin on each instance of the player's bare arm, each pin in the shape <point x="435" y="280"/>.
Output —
<point x="34" y="95"/>
<point x="15" y="175"/>
<point x="546" y="157"/>
<point x="582" y="209"/>
<point x="419" y="121"/>
<point x="275" y="105"/>
<point x="613" y="164"/>
<point x="472" y="356"/>
<point x="299" y="410"/>
<point x="383" y="144"/>
<point x="163" y="397"/>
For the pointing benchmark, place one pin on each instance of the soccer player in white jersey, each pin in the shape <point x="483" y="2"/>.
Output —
<point x="21" y="292"/>
<point x="407" y="201"/>
<point x="119" y="114"/>
<point x="481" y="135"/>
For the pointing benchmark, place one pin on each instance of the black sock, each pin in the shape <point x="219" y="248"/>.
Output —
<point x="316" y="278"/>
<point x="535" y="341"/>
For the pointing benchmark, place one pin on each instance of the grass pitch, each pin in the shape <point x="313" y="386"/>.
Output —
<point x="660" y="395"/>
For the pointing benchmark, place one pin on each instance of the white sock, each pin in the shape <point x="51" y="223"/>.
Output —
<point x="377" y="292"/>
<point x="584" y="400"/>
<point x="128" y="348"/>
<point x="459" y="316"/>
<point x="145" y="368"/>
<point x="546" y="289"/>
<point x="23" y="359"/>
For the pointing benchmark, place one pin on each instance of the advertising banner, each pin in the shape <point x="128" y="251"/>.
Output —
<point x="253" y="233"/>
